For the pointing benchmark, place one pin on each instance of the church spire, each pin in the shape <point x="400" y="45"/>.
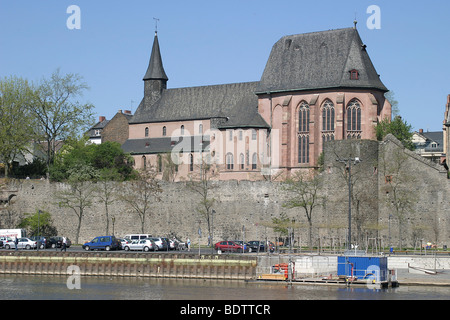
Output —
<point x="155" y="70"/>
<point x="155" y="79"/>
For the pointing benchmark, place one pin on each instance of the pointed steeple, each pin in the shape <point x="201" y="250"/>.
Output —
<point x="155" y="70"/>
<point x="155" y="79"/>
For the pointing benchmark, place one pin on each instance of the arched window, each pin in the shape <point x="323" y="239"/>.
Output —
<point x="144" y="162"/>
<point x="146" y="132"/>
<point x="164" y="133"/>
<point x="191" y="162"/>
<point x="229" y="161"/>
<point x="328" y="116"/>
<point x="182" y="130"/>
<point x="200" y="129"/>
<point x="303" y="133"/>
<point x="254" y="161"/>
<point x="354" y="120"/>
<point x="303" y="117"/>
<point x="241" y="161"/>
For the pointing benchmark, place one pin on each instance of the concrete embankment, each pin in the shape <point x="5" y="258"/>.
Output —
<point x="165" y="265"/>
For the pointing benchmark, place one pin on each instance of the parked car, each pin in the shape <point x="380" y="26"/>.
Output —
<point x="160" y="243"/>
<point x="241" y="243"/>
<point x="42" y="242"/>
<point x="230" y="246"/>
<point x="102" y="243"/>
<point x="137" y="236"/>
<point x="6" y="240"/>
<point x="123" y="242"/>
<point x="56" y="242"/>
<point x="23" y="243"/>
<point x="142" y="245"/>
<point x="261" y="246"/>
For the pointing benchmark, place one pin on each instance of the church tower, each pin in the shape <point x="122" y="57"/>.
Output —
<point x="155" y="79"/>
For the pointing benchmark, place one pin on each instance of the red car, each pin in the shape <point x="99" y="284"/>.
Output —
<point x="230" y="246"/>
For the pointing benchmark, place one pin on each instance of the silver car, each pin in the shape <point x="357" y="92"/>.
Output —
<point x="23" y="243"/>
<point x="141" y="245"/>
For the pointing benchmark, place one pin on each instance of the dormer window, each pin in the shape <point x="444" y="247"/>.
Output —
<point x="354" y="74"/>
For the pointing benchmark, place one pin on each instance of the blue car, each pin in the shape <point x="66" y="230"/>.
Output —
<point x="102" y="243"/>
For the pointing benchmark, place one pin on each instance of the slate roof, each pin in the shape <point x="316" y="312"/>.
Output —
<point x="235" y="102"/>
<point x="165" y="144"/>
<point x="319" y="60"/>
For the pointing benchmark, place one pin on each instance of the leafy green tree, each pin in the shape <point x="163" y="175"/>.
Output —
<point x="39" y="223"/>
<point x="16" y="122"/>
<point x="59" y="113"/>
<point x="397" y="127"/>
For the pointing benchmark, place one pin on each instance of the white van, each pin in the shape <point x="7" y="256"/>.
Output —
<point x="137" y="236"/>
<point x="13" y="233"/>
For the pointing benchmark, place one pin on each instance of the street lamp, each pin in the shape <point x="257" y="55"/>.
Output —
<point x="349" y="161"/>
<point x="212" y="230"/>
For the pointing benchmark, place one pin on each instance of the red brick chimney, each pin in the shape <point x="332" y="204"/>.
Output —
<point x="101" y="118"/>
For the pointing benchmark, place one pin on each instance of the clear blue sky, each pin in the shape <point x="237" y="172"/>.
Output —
<point x="214" y="42"/>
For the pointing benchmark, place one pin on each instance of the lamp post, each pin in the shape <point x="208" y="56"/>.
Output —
<point x="349" y="161"/>
<point x="212" y="230"/>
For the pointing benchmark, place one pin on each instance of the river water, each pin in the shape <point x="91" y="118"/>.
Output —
<point x="20" y="287"/>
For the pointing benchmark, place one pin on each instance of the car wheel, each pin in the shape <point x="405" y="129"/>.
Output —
<point x="249" y="250"/>
<point x="87" y="248"/>
<point x="28" y="247"/>
<point x="53" y="245"/>
<point x="146" y="249"/>
<point x="7" y="247"/>
<point x="219" y="251"/>
<point x="127" y="248"/>
<point x="41" y="246"/>
<point x="107" y="248"/>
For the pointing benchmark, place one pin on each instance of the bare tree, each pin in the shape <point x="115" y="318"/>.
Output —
<point x="143" y="191"/>
<point x="304" y="193"/>
<point x="81" y="193"/>
<point x="397" y="179"/>
<point x="200" y="182"/>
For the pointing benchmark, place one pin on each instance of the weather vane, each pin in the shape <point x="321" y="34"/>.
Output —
<point x="156" y="24"/>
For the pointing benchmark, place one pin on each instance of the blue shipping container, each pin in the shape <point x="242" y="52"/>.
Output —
<point x="363" y="268"/>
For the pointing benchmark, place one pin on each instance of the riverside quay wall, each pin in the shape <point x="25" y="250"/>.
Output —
<point x="385" y="173"/>
<point x="154" y="265"/>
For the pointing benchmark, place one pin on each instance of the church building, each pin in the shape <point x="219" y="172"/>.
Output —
<point x="315" y="87"/>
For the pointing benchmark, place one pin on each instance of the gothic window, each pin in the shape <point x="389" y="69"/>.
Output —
<point x="254" y="161"/>
<point x="328" y="116"/>
<point x="303" y="133"/>
<point x="164" y="133"/>
<point x="303" y="148"/>
<point x="146" y="132"/>
<point x="303" y="118"/>
<point x="253" y="134"/>
<point x="241" y="161"/>
<point x="182" y="130"/>
<point x="328" y="113"/>
<point x="354" y="120"/>
<point x="229" y="161"/>
<point x="200" y="129"/>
